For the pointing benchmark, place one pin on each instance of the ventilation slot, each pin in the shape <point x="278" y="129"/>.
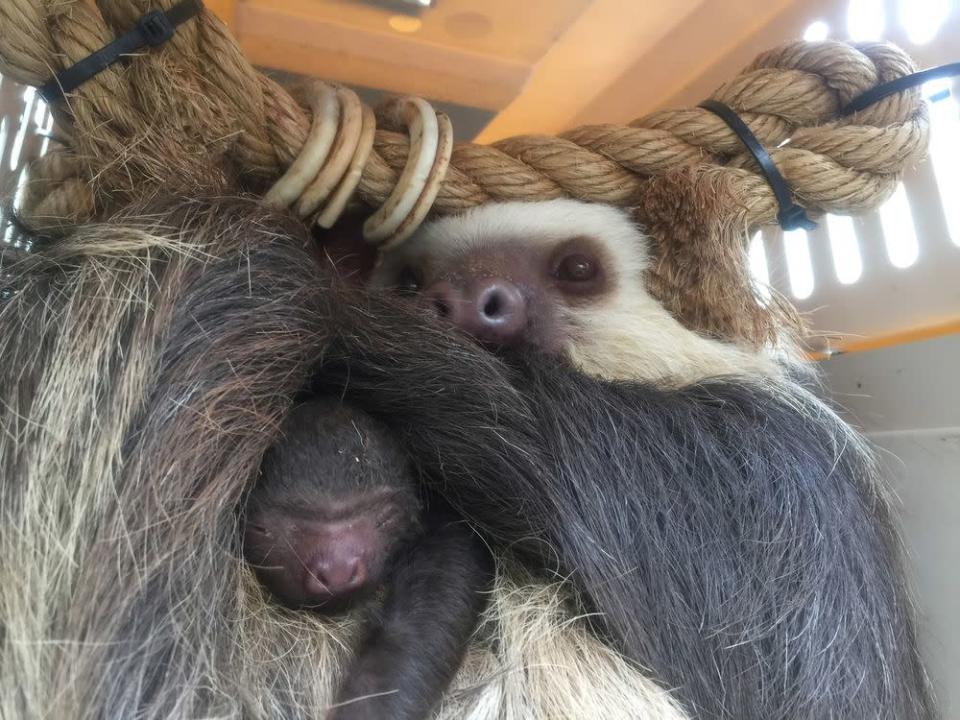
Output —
<point x="759" y="269"/>
<point x="898" y="230"/>
<point x="845" y="249"/>
<point x="945" y="152"/>
<point x="796" y="247"/>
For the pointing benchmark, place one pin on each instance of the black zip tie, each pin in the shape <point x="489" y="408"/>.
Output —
<point x="791" y="216"/>
<point x="906" y="82"/>
<point x="153" y="29"/>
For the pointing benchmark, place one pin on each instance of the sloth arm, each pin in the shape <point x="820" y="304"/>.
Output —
<point x="415" y="646"/>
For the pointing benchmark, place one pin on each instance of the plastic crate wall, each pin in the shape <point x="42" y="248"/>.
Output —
<point x="898" y="268"/>
<point x="25" y="133"/>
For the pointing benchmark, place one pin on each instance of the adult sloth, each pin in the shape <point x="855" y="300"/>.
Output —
<point x="728" y="535"/>
<point x="726" y="527"/>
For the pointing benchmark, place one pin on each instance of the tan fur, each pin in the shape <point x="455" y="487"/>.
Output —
<point x="103" y="508"/>
<point x="638" y="339"/>
<point x="550" y="666"/>
<point x="698" y="264"/>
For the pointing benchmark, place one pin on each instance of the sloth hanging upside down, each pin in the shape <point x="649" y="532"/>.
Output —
<point x="683" y="531"/>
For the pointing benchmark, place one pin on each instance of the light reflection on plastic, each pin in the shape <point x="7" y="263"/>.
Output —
<point x="796" y="247"/>
<point x="816" y="31"/>
<point x="922" y="19"/>
<point x="759" y="271"/>
<point x="17" y="199"/>
<point x="4" y="124"/>
<point x="899" y="233"/>
<point x="28" y="97"/>
<point x="945" y="155"/>
<point x="40" y="113"/>
<point x="46" y="130"/>
<point x="33" y="118"/>
<point x="866" y="19"/>
<point x="845" y="249"/>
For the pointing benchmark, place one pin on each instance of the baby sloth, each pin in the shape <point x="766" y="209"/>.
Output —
<point x="335" y="517"/>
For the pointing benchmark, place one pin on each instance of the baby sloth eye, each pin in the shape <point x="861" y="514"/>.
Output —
<point x="577" y="268"/>
<point x="408" y="281"/>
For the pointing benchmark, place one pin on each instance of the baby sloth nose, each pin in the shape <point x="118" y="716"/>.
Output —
<point x="338" y="570"/>
<point x="493" y="310"/>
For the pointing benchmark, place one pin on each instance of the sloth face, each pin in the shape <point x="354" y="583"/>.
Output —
<point x="518" y="275"/>
<point x="507" y="294"/>
<point x="563" y="277"/>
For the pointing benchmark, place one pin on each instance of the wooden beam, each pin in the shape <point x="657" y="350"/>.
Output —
<point x="698" y="55"/>
<point x="376" y="59"/>
<point x="604" y="42"/>
<point x="226" y="10"/>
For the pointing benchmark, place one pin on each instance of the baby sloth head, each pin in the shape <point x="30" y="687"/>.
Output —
<point x="335" y="503"/>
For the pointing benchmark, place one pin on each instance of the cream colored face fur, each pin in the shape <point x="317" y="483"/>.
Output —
<point x="622" y="334"/>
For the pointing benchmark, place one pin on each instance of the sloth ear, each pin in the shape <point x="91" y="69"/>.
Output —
<point x="698" y="258"/>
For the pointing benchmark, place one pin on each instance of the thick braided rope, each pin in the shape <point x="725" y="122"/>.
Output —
<point x="218" y="101"/>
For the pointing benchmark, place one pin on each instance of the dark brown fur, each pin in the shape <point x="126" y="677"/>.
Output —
<point x="715" y="529"/>
<point x="337" y="488"/>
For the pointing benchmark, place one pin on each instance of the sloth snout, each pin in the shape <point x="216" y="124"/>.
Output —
<point x="493" y="310"/>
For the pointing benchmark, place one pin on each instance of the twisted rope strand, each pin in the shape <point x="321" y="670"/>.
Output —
<point x="195" y="109"/>
<point x="791" y="92"/>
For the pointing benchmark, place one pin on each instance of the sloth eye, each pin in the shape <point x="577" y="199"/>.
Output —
<point x="259" y="529"/>
<point x="408" y="281"/>
<point x="576" y="268"/>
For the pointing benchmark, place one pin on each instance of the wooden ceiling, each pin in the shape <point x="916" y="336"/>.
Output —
<point x="522" y="65"/>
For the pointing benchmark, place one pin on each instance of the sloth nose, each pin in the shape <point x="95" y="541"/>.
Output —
<point x="336" y="571"/>
<point x="498" y="312"/>
<point x="493" y="310"/>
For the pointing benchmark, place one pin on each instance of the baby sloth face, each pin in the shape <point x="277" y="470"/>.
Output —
<point x="335" y="503"/>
